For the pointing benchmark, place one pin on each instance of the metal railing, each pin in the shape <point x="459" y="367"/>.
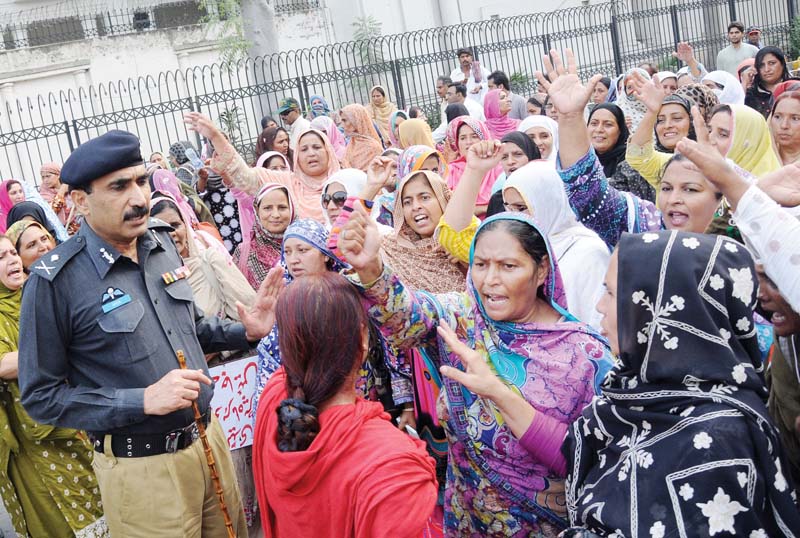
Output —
<point x="70" y="25"/>
<point x="607" y="38"/>
<point x="88" y="25"/>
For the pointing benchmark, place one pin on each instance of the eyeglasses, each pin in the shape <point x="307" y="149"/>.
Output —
<point x="338" y="197"/>
<point x="516" y="208"/>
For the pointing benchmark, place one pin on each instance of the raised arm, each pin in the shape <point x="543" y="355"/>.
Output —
<point x="597" y="204"/>
<point x="569" y="96"/>
<point x="685" y="53"/>
<point x="227" y="162"/>
<point x="378" y="173"/>
<point x="641" y="153"/>
<point x="651" y="94"/>
<point x="406" y="318"/>
<point x="481" y="159"/>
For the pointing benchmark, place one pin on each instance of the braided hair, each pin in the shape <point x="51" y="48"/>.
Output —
<point x="321" y="330"/>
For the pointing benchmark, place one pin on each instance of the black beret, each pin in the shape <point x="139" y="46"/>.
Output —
<point x="99" y="156"/>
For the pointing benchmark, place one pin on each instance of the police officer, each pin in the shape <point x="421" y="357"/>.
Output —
<point x="103" y="316"/>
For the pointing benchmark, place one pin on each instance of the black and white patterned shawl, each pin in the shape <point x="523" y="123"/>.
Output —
<point x="681" y="444"/>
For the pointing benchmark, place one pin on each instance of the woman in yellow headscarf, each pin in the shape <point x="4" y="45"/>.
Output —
<point x="415" y="132"/>
<point x="380" y="109"/>
<point x="741" y="134"/>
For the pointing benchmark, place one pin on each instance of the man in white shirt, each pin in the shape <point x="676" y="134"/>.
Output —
<point x="457" y="95"/>
<point x="729" y="58"/>
<point x="519" y="105"/>
<point x="465" y="74"/>
<point x="290" y="112"/>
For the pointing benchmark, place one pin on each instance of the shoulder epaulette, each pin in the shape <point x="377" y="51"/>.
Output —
<point x="49" y="265"/>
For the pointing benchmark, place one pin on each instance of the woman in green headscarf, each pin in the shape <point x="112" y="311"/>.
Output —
<point x="46" y="478"/>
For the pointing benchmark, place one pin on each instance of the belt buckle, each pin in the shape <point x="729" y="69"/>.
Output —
<point x="192" y="431"/>
<point x="173" y="440"/>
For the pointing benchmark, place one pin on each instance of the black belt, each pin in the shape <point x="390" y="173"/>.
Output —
<point x="140" y="446"/>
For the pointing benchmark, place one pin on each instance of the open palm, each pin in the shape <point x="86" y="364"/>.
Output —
<point x="649" y="92"/>
<point x="259" y="318"/>
<point x="567" y="93"/>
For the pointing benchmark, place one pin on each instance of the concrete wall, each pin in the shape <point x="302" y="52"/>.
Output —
<point x="68" y="66"/>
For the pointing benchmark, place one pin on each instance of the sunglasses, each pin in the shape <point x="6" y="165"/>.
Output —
<point x="338" y="197"/>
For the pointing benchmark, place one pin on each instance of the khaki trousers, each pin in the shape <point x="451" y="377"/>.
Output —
<point x="170" y="495"/>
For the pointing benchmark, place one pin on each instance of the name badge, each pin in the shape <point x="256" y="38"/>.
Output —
<point x="116" y="303"/>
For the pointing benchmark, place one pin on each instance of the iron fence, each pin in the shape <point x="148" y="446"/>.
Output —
<point x="66" y="28"/>
<point x="607" y="38"/>
<point x="69" y="26"/>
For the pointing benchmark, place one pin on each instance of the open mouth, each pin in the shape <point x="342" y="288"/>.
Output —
<point x="778" y="319"/>
<point x="678" y="219"/>
<point x="495" y="300"/>
<point x="421" y="219"/>
<point x="15" y="272"/>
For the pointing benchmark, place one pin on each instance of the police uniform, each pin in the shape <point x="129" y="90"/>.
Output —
<point x="96" y="329"/>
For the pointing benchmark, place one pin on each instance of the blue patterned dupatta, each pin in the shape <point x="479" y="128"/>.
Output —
<point x="680" y="443"/>
<point x="555" y="367"/>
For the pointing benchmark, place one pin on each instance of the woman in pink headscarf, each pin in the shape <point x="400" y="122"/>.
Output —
<point x="365" y="144"/>
<point x="165" y="182"/>
<point x="11" y="193"/>
<point x="462" y="133"/>
<point x="335" y="136"/>
<point x="496" y="106"/>
<point x="261" y="249"/>
<point x="54" y="192"/>
<point x="314" y="162"/>
<point x="271" y="160"/>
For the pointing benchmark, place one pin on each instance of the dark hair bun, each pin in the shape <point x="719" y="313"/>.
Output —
<point x="298" y="425"/>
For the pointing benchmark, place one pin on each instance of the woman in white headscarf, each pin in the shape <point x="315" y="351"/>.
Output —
<point x="631" y="106"/>
<point x="668" y="80"/>
<point x="543" y="131"/>
<point x="726" y="86"/>
<point x="337" y="189"/>
<point x="537" y="189"/>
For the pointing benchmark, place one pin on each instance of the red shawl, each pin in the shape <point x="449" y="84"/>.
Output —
<point x="360" y="478"/>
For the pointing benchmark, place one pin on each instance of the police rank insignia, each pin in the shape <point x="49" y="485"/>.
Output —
<point x="114" y="298"/>
<point x="178" y="274"/>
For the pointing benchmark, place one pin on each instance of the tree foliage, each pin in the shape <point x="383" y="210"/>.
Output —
<point x="227" y="16"/>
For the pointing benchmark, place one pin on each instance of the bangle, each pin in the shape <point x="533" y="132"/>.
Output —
<point x="408" y="410"/>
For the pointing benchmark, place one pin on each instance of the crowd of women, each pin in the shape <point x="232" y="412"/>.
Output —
<point x="583" y="322"/>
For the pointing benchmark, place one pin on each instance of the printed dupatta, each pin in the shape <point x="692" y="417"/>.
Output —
<point x="684" y="410"/>
<point x="577" y="360"/>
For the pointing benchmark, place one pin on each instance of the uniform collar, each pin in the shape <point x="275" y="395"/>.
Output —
<point x="103" y="255"/>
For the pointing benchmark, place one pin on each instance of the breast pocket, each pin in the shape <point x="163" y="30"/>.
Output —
<point x="181" y="292"/>
<point x="123" y="340"/>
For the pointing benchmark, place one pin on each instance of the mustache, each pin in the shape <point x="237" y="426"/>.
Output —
<point x="135" y="213"/>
